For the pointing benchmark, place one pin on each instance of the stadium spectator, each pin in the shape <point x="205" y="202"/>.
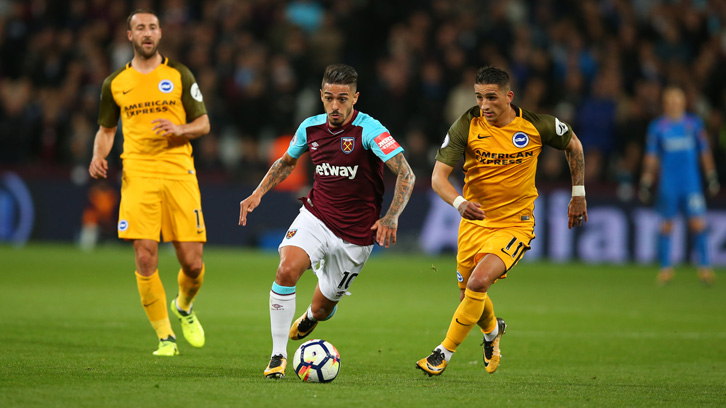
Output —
<point x="500" y="143"/>
<point x="338" y="223"/>
<point x="46" y="46"/>
<point x="161" y="110"/>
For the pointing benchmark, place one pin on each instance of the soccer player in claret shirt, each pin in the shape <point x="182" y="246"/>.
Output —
<point x="676" y="141"/>
<point x="500" y="143"/>
<point x="339" y="219"/>
<point x="161" y="109"/>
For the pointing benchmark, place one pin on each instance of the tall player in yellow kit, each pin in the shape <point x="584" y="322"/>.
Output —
<point x="161" y="109"/>
<point x="500" y="143"/>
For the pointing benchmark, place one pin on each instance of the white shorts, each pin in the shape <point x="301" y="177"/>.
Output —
<point x="335" y="262"/>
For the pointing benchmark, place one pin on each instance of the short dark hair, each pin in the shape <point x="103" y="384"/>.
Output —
<point x="492" y="75"/>
<point x="139" y="11"/>
<point x="340" y="74"/>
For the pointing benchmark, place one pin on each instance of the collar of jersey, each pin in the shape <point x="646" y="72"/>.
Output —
<point x="344" y="127"/>
<point x="164" y="61"/>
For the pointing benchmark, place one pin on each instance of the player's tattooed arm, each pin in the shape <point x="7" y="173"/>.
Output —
<point x="386" y="227"/>
<point x="278" y="172"/>
<point x="577" y="209"/>
<point x="404" y="184"/>
<point x="576" y="160"/>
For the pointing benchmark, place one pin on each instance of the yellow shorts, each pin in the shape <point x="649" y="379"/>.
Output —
<point x="475" y="241"/>
<point x="152" y="206"/>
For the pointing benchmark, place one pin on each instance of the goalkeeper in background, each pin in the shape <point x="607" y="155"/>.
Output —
<point x="674" y="144"/>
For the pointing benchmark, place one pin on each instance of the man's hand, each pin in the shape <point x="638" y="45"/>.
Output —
<point x="173" y="133"/>
<point x="471" y="211"/>
<point x="576" y="212"/>
<point x="712" y="184"/>
<point x="247" y="206"/>
<point x="385" y="229"/>
<point x="98" y="168"/>
<point x="644" y="193"/>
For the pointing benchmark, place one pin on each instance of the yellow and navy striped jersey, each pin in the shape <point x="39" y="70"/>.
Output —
<point x="501" y="162"/>
<point x="169" y="91"/>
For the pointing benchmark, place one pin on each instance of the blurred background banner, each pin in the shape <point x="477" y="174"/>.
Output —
<point x="598" y="65"/>
<point x="617" y="232"/>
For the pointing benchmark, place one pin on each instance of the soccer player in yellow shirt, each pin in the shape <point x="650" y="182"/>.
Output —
<point x="500" y="143"/>
<point x="161" y="110"/>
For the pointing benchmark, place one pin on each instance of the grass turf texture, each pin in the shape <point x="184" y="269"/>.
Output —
<point x="74" y="334"/>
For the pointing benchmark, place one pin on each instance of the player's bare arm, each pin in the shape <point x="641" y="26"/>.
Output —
<point x="278" y="172"/>
<point x="577" y="209"/>
<point x="386" y="227"/>
<point x="180" y="134"/>
<point x="101" y="148"/>
<point x="443" y="187"/>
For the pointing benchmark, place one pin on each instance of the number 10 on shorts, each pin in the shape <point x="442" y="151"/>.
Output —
<point x="347" y="280"/>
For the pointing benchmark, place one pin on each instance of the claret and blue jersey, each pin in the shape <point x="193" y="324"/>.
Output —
<point x="678" y="145"/>
<point x="348" y="161"/>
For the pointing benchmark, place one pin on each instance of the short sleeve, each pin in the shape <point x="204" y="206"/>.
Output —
<point x="192" y="98"/>
<point x="299" y="142"/>
<point x="376" y="138"/>
<point x="552" y="130"/>
<point x="108" y="112"/>
<point x="456" y="139"/>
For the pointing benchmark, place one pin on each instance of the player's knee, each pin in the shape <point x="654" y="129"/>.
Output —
<point x="192" y="268"/>
<point x="479" y="283"/>
<point x="287" y="275"/>
<point x="146" y="262"/>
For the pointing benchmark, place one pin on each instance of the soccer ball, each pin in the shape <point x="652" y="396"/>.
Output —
<point x="316" y="361"/>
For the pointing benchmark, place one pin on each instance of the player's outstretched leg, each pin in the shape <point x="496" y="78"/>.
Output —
<point x="192" y="329"/>
<point x="276" y="369"/>
<point x="302" y="327"/>
<point x="167" y="347"/>
<point x="434" y="364"/>
<point x="306" y="323"/>
<point x="490" y="350"/>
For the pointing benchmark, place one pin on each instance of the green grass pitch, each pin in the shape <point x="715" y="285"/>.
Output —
<point x="73" y="334"/>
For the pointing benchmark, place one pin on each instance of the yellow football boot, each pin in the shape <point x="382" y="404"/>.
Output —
<point x="434" y="364"/>
<point x="302" y="327"/>
<point x="665" y="275"/>
<point x="276" y="369"/>
<point x="192" y="329"/>
<point x="492" y="355"/>
<point x="167" y="348"/>
<point x="707" y="276"/>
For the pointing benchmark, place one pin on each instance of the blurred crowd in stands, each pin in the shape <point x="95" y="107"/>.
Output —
<point x="599" y="65"/>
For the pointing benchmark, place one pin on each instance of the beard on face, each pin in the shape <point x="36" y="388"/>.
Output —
<point x="139" y="48"/>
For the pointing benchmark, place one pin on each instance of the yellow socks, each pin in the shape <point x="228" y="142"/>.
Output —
<point x="467" y="314"/>
<point x="488" y="320"/>
<point x="153" y="299"/>
<point x="188" y="288"/>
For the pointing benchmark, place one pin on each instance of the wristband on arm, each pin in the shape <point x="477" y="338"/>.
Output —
<point x="578" y="191"/>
